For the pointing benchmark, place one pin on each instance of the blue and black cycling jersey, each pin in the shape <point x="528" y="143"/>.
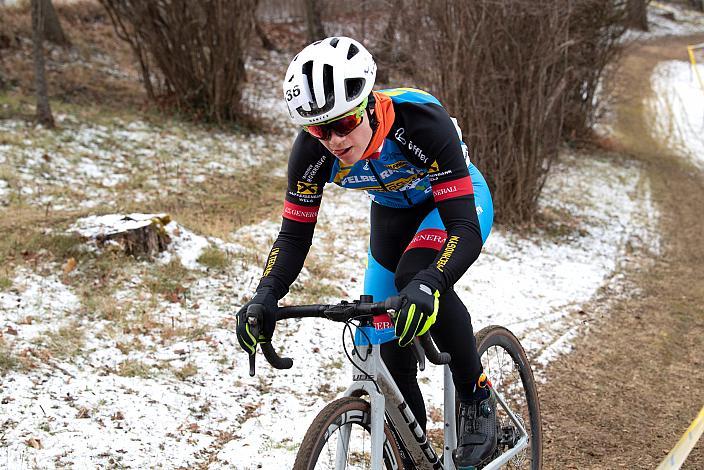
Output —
<point x="416" y="158"/>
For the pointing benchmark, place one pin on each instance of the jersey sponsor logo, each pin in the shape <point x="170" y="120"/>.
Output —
<point x="300" y="213"/>
<point x="447" y="252"/>
<point x="415" y="150"/>
<point x="305" y="198"/>
<point x="313" y="169"/>
<point x="439" y="174"/>
<point x="397" y="165"/>
<point x="401" y="184"/>
<point x="382" y="322"/>
<point x="434" y="167"/>
<point x="356" y="179"/>
<point x="432" y="238"/>
<point x="399" y="135"/>
<point x="306" y="188"/>
<point x="271" y="261"/>
<point x="454" y="188"/>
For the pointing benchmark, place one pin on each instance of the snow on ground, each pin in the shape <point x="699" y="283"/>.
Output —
<point x="678" y="107"/>
<point x="88" y="164"/>
<point x="167" y="385"/>
<point x="669" y="20"/>
<point x="85" y="413"/>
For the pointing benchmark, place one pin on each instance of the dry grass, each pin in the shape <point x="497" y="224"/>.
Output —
<point x="8" y="362"/>
<point x="221" y="204"/>
<point x="64" y="343"/>
<point x="169" y="280"/>
<point x="192" y="333"/>
<point x="214" y="258"/>
<point x="313" y="291"/>
<point x="187" y="371"/>
<point x="134" y="368"/>
<point x="98" y="69"/>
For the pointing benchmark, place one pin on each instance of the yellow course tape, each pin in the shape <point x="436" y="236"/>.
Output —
<point x="684" y="446"/>
<point x="691" y="49"/>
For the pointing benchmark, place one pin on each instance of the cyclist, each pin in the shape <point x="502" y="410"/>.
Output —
<point x="431" y="211"/>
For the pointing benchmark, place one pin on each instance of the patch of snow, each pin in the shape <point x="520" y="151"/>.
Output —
<point x="34" y="299"/>
<point x="83" y="161"/>
<point x="186" y="245"/>
<point x="668" y="20"/>
<point x="222" y="415"/>
<point x="679" y="107"/>
<point x="4" y="185"/>
<point x="103" y="225"/>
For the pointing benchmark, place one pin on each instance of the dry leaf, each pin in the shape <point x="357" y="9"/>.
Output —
<point x="32" y="442"/>
<point x="11" y="331"/>
<point x="117" y="416"/>
<point x="83" y="413"/>
<point x="70" y="265"/>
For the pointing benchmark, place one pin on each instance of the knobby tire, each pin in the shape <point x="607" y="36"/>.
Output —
<point x="498" y="339"/>
<point x="329" y="420"/>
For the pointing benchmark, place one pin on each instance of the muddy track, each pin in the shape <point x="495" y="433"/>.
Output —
<point x="635" y="381"/>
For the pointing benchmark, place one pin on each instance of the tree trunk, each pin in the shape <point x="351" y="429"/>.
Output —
<point x="315" y="23"/>
<point x="698" y="4"/>
<point x="385" y="55"/>
<point x="266" y="42"/>
<point x="52" y="27"/>
<point x="637" y="14"/>
<point x="43" y="108"/>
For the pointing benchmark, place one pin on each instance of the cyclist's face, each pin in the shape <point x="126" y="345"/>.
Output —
<point x="350" y="148"/>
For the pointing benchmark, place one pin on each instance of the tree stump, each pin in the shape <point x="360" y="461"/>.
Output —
<point x="138" y="235"/>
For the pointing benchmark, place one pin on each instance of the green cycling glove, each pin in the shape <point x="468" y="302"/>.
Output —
<point x="418" y="313"/>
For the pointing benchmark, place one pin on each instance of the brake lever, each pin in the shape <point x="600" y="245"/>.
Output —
<point x="419" y="353"/>
<point x="255" y="317"/>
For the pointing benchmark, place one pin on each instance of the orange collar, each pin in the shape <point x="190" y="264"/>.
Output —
<point x="384" y="112"/>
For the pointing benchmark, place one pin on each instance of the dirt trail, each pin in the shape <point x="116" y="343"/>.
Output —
<point x="635" y="381"/>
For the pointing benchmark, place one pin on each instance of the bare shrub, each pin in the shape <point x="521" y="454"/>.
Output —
<point x="517" y="74"/>
<point x="191" y="53"/>
<point x="595" y="29"/>
<point x="500" y="68"/>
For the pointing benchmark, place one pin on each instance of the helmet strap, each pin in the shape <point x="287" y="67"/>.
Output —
<point x="373" y="121"/>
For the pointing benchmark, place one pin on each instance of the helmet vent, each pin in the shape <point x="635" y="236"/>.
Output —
<point x="334" y="41"/>
<point x="307" y="70"/>
<point x="352" y="51"/>
<point x="353" y="87"/>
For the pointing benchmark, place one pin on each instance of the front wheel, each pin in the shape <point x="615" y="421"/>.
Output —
<point x="344" y="426"/>
<point x="507" y="367"/>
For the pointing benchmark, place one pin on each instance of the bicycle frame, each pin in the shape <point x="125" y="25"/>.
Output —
<point x="387" y="401"/>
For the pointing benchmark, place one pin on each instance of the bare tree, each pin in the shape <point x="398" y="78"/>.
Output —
<point x="519" y="75"/>
<point x="314" y="21"/>
<point x="44" y="115"/>
<point x="386" y="50"/>
<point x="192" y="52"/>
<point x="52" y="27"/>
<point x="637" y="16"/>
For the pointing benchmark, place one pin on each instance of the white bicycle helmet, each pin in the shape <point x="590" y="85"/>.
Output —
<point x="327" y="79"/>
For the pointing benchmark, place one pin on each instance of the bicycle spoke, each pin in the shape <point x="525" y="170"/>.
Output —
<point x="502" y="365"/>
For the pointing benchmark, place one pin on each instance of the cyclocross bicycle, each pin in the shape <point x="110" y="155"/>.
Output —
<point x="379" y="431"/>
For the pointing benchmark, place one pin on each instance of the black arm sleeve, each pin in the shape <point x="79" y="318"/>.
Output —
<point x="432" y="141"/>
<point x="309" y="165"/>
